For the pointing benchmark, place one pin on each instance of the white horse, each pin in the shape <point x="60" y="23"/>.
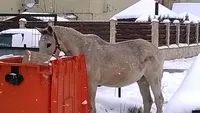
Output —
<point x="112" y="65"/>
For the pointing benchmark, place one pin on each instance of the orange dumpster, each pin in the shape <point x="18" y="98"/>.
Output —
<point x="29" y="88"/>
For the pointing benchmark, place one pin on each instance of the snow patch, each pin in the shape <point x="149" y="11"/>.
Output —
<point x="154" y="20"/>
<point x="23" y="19"/>
<point x="192" y="8"/>
<point x="176" y="21"/>
<point x="100" y="108"/>
<point x="166" y="21"/>
<point x="9" y="56"/>
<point x="61" y="53"/>
<point x="192" y="18"/>
<point x="186" y="22"/>
<point x="186" y="97"/>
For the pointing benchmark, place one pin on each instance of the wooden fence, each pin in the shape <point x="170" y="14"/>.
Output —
<point x="100" y="28"/>
<point x="115" y="31"/>
<point x="168" y="34"/>
<point x="165" y="34"/>
<point x="131" y="30"/>
<point x="178" y="34"/>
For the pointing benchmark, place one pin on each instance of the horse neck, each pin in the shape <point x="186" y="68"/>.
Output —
<point x="71" y="36"/>
<point x="80" y="41"/>
<point x="94" y="42"/>
<point x="96" y="39"/>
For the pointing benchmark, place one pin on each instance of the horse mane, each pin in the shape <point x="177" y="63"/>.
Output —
<point x="71" y="30"/>
<point x="79" y="34"/>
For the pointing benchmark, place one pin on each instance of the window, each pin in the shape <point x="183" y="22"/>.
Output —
<point x="6" y="40"/>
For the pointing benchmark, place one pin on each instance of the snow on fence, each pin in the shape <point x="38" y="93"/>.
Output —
<point x="175" y="40"/>
<point x="178" y="34"/>
<point x="165" y="34"/>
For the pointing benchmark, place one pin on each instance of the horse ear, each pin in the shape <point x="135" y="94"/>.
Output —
<point x="50" y="29"/>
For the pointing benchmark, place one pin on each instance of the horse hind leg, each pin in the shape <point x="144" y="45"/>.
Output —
<point x="145" y="92"/>
<point x="92" y="95"/>
<point x="154" y="78"/>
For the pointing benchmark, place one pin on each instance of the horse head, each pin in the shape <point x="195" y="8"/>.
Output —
<point x="57" y="38"/>
<point x="47" y="42"/>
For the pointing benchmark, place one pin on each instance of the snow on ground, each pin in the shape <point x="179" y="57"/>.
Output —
<point x="179" y="63"/>
<point x="107" y="98"/>
<point x="187" y="98"/>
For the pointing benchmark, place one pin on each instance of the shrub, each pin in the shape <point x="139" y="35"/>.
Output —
<point x="134" y="110"/>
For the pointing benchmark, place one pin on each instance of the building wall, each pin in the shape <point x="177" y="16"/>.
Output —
<point x="110" y="8"/>
<point x="8" y="6"/>
<point x="84" y="9"/>
<point x="78" y="7"/>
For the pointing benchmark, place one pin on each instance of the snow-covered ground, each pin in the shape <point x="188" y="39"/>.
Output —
<point x="186" y="97"/>
<point x="107" y="98"/>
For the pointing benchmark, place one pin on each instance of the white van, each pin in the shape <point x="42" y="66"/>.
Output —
<point x="20" y="38"/>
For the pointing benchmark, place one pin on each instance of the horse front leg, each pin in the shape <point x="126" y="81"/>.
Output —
<point x="92" y="95"/>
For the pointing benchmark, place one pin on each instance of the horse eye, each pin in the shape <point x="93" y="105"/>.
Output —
<point x="48" y="45"/>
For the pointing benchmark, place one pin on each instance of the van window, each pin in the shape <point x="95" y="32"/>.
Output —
<point x="6" y="40"/>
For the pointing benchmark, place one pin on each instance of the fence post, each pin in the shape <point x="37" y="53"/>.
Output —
<point x="113" y="22"/>
<point x="177" y="23"/>
<point x="22" y="23"/>
<point x="167" y="24"/>
<point x="155" y="32"/>
<point x="50" y="23"/>
<point x="119" y="92"/>
<point x="188" y="33"/>
<point x="197" y="33"/>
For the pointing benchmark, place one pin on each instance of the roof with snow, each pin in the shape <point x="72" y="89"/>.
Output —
<point x="192" y="8"/>
<point x="145" y="7"/>
<point x="45" y="19"/>
<point x="191" y="17"/>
